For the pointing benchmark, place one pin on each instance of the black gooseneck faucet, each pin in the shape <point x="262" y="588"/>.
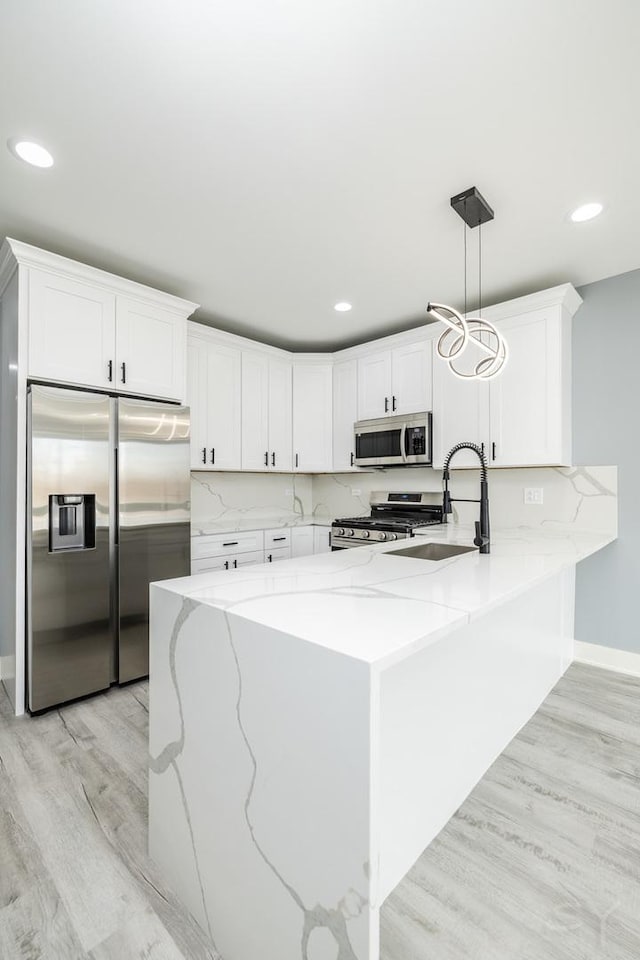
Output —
<point x="481" y="539"/>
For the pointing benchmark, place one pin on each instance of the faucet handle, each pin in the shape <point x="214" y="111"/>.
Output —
<point x="479" y="540"/>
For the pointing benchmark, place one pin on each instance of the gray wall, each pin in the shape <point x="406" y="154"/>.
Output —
<point x="606" y="407"/>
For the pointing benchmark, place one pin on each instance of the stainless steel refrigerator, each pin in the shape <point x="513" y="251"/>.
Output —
<point x="108" y="513"/>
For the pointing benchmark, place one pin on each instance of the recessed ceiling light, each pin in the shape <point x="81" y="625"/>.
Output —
<point x="30" y="152"/>
<point x="586" y="212"/>
<point x="342" y="306"/>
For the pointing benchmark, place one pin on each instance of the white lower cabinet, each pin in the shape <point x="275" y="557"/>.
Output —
<point x="231" y="562"/>
<point x="302" y="541"/>
<point x="321" y="539"/>
<point x="283" y="553"/>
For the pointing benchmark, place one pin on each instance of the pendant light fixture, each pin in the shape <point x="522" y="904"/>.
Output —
<point x="463" y="331"/>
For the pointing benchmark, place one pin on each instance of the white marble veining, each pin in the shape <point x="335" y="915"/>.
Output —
<point x="585" y="497"/>
<point x="378" y="608"/>
<point x="315" y="723"/>
<point x="228" y="502"/>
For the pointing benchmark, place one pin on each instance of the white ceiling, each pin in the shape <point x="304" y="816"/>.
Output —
<point x="269" y="157"/>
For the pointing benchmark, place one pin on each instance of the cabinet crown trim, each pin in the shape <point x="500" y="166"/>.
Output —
<point x="29" y="256"/>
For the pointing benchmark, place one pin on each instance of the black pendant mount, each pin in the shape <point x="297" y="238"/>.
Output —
<point x="472" y="207"/>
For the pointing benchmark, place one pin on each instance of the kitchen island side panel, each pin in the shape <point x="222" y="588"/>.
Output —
<point x="447" y="712"/>
<point x="260" y="784"/>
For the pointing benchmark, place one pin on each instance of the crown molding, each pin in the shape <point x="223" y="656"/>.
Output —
<point x="564" y="295"/>
<point x="8" y="265"/>
<point x="29" y="256"/>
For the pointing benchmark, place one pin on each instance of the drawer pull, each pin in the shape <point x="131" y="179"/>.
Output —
<point x="279" y="538"/>
<point x="231" y="543"/>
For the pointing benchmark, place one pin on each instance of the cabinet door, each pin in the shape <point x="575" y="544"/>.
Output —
<point x="345" y="413"/>
<point x="255" y="411"/>
<point x="197" y="400"/>
<point x="223" y="399"/>
<point x="312" y="417"/>
<point x="460" y="412"/>
<point x="529" y="400"/>
<point x="412" y="388"/>
<point x="374" y="386"/>
<point x="302" y="542"/>
<point x="72" y="331"/>
<point x="151" y="346"/>
<point x="321" y="539"/>
<point x="280" y="415"/>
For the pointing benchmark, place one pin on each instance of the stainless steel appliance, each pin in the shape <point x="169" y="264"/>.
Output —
<point x="394" y="441"/>
<point x="109" y="512"/>
<point x="394" y="516"/>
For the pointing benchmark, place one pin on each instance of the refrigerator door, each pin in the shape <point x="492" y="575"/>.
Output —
<point x="154" y="491"/>
<point x="70" y="628"/>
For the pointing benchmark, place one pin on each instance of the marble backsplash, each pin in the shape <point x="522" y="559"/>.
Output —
<point x="281" y="498"/>
<point x="585" y="497"/>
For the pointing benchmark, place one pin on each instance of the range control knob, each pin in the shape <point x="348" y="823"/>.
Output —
<point x="349" y="533"/>
<point x="381" y="535"/>
<point x="393" y="536"/>
<point x="365" y="534"/>
<point x="339" y="531"/>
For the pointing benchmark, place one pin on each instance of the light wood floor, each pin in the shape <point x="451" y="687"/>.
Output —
<point x="542" y="862"/>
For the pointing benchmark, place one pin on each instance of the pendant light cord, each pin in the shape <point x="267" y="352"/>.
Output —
<point x="480" y="269"/>
<point x="464" y="228"/>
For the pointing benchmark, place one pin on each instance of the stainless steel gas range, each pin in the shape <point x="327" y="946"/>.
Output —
<point x="394" y="516"/>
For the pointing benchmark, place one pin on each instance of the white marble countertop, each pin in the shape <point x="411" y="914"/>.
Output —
<point x="380" y="609"/>
<point x="204" y="529"/>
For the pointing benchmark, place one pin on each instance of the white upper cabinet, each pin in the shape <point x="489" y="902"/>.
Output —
<point x="411" y="378"/>
<point x="374" y="385"/>
<point x="395" y="381"/>
<point x="345" y="413"/>
<point x="255" y="411"/>
<point x="72" y="331"/>
<point x="89" y="328"/>
<point x="150" y="350"/>
<point x="530" y="402"/>
<point x="460" y="414"/>
<point x="266" y="412"/>
<point x="214" y="396"/>
<point x="280" y="414"/>
<point x="312" y="417"/>
<point x="522" y="417"/>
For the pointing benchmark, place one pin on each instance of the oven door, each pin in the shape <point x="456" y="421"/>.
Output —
<point x="392" y="441"/>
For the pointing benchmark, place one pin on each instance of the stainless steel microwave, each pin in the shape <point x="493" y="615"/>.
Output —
<point x="394" y="441"/>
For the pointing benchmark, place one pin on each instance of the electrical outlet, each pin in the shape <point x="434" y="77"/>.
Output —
<point x="356" y="492"/>
<point x="534" y="495"/>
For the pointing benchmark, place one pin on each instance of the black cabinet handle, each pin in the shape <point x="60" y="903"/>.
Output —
<point x="231" y="543"/>
<point x="204" y="454"/>
<point x="352" y="458"/>
<point x="235" y="564"/>
<point x="266" y="459"/>
<point x="296" y="459"/>
<point x="393" y="403"/>
<point x="386" y="404"/>
<point x="213" y="454"/>
<point x="493" y="451"/>
<point x="226" y="564"/>
<point x="123" y="367"/>
<point x="278" y="538"/>
<point x="270" y="558"/>
<point x="110" y="373"/>
<point x="273" y="459"/>
<point x="482" y="446"/>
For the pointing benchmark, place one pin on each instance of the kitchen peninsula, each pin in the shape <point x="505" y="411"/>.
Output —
<point x="314" y="724"/>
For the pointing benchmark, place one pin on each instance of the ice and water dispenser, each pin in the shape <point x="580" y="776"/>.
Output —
<point x="72" y="522"/>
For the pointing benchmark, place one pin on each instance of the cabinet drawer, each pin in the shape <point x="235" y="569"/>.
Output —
<point x="282" y="553"/>
<point x="227" y="563"/>
<point x="277" y="539"/>
<point x="223" y="544"/>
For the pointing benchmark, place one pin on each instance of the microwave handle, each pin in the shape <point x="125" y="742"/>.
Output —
<point x="403" y="442"/>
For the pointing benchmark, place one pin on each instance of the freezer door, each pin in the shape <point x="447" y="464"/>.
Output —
<point x="70" y="630"/>
<point x="154" y="517"/>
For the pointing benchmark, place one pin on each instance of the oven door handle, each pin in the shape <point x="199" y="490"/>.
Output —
<point x="403" y="442"/>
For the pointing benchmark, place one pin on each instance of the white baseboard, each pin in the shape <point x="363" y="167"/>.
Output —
<point x="623" y="661"/>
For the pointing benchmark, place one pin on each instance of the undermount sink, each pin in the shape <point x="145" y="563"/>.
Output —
<point x="431" y="551"/>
